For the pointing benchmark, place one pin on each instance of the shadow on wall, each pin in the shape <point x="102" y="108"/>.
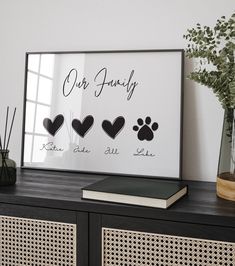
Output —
<point x="191" y="148"/>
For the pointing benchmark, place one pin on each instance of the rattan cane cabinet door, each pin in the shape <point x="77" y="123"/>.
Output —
<point x="133" y="248"/>
<point x="128" y="241"/>
<point x="33" y="242"/>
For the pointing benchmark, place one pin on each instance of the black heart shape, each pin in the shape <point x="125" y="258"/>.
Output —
<point x="83" y="127"/>
<point x="112" y="129"/>
<point x="53" y="127"/>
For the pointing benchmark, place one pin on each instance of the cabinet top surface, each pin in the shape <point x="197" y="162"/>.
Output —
<point x="59" y="190"/>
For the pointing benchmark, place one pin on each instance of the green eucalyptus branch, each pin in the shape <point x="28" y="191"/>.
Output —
<point x="215" y="49"/>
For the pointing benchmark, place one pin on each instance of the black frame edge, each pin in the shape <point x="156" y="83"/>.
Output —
<point x="107" y="51"/>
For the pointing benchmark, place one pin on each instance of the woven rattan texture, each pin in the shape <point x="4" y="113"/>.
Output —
<point x="31" y="242"/>
<point x="130" y="248"/>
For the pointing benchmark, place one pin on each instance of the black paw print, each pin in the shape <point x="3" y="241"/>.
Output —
<point x="145" y="131"/>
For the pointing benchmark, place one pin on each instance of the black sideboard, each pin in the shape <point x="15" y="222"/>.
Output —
<point x="44" y="221"/>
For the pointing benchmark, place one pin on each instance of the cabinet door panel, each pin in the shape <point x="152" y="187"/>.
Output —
<point x="42" y="236"/>
<point x="136" y="242"/>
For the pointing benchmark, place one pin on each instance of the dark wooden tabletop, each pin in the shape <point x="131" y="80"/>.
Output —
<point x="60" y="190"/>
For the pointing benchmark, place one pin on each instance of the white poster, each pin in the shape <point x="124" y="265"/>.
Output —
<point x="104" y="112"/>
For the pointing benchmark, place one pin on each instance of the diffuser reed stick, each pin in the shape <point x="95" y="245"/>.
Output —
<point x="0" y="143"/>
<point x="7" y="138"/>
<point x="4" y="143"/>
<point x="12" y="122"/>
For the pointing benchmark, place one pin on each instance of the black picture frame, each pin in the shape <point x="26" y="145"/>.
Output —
<point x="126" y="53"/>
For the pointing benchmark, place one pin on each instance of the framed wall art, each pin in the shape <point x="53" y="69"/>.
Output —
<point x="114" y="112"/>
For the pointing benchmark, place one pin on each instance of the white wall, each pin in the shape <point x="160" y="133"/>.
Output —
<point x="71" y="25"/>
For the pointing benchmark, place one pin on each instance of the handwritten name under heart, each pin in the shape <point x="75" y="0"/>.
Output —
<point x="101" y="81"/>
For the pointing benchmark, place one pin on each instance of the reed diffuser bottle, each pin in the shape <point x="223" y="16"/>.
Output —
<point x="7" y="169"/>
<point x="7" y="166"/>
